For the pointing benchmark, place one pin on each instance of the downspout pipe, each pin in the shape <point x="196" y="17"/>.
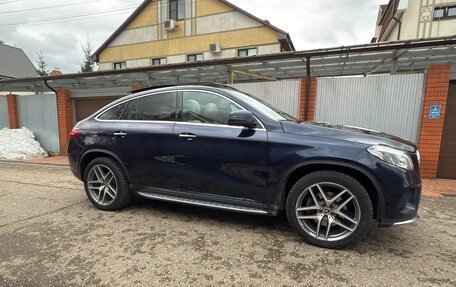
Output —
<point x="56" y="95"/>
<point x="400" y="27"/>
<point x="307" y="96"/>
<point x="49" y="87"/>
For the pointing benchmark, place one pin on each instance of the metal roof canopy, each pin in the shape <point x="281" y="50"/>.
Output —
<point x="392" y="57"/>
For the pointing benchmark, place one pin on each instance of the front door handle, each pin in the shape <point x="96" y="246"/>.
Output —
<point x="187" y="136"/>
<point x="120" y="134"/>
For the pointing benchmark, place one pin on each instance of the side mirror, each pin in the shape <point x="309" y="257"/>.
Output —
<point x="243" y="119"/>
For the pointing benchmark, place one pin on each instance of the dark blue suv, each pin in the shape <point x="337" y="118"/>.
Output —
<point x="217" y="147"/>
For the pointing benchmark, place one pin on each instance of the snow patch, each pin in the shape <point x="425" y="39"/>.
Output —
<point x="20" y="144"/>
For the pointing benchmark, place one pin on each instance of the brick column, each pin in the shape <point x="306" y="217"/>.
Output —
<point x="436" y="93"/>
<point x="312" y="99"/>
<point x="136" y="86"/>
<point x="13" y="114"/>
<point x="65" y="116"/>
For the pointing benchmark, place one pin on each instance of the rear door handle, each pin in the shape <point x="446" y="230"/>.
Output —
<point x="187" y="136"/>
<point x="120" y="134"/>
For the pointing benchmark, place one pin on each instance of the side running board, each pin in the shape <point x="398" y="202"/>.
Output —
<point x="202" y="203"/>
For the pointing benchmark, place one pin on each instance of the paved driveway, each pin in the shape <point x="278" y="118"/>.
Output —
<point x="51" y="235"/>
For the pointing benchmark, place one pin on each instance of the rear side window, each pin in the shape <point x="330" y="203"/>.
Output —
<point x="131" y="110"/>
<point x="150" y="108"/>
<point x="114" y="113"/>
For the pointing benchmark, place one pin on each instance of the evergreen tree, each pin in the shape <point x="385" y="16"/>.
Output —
<point x="88" y="64"/>
<point x="42" y="65"/>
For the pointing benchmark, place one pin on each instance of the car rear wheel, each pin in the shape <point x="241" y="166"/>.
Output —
<point x="329" y="209"/>
<point x="106" y="185"/>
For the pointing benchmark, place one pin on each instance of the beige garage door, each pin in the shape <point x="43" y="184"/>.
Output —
<point x="87" y="106"/>
<point x="447" y="160"/>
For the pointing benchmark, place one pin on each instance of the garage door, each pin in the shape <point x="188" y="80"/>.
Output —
<point x="447" y="160"/>
<point x="87" y="106"/>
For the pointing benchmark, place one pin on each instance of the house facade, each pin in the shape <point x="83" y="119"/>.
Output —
<point x="178" y="31"/>
<point x="415" y="19"/>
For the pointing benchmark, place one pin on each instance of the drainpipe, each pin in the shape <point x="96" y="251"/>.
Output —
<point x="307" y="97"/>
<point x="49" y="87"/>
<point x="56" y="100"/>
<point x="400" y="27"/>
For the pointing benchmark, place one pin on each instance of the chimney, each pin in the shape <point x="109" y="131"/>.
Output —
<point x="55" y="72"/>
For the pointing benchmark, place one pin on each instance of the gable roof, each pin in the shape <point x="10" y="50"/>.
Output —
<point x="284" y="37"/>
<point x="14" y="63"/>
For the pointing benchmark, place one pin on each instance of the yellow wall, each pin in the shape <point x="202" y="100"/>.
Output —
<point x="188" y="45"/>
<point x="147" y="17"/>
<point x="209" y="7"/>
<point x="178" y="44"/>
<point x="179" y="32"/>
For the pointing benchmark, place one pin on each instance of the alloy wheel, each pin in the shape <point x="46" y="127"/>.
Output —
<point x="328" y="211"/>
<point x="102" y="184"/>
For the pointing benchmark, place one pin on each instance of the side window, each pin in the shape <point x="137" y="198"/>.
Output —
<point x="150" y="108"/>
<point x="201" y="107"/>
<point x="114" y="113"/>
<point x="131" y="110"/>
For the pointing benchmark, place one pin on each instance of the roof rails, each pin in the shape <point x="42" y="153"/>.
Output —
<point x="215" y="85"/>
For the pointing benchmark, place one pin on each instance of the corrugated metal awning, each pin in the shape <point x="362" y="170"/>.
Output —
<point x="378" y="58"/>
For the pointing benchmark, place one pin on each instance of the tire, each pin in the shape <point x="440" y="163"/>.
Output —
<point x="344" y="205"/>
<point x="112" y="193"/>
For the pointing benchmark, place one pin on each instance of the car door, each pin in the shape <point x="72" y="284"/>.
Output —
<point x="214" y="158"/>
<point x="143" y="138"/>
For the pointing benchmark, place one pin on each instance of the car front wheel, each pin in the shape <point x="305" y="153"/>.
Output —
<point x="106" y="184"/>
<point x="329" y="209"/>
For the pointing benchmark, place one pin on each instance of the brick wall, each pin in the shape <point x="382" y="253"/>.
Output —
<point x="65" y="116"/>
<point x="136" y="86"/>
<point x="312" y="99"/>
<point x="436" y="93"/>
<point x="13" y="114"/>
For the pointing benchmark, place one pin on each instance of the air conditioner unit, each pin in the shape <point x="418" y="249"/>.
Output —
<point x="215" y="48"/>
<point x="170" y="25"/>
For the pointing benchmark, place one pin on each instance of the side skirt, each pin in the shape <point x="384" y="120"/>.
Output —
<point x="207" y="200"/>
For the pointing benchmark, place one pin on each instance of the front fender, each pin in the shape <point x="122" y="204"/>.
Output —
<point x="281" y="190"/>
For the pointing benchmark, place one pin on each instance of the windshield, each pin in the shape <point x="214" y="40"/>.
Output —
<point x="265" y="108"/>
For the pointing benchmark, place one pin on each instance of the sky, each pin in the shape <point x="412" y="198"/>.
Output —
<point x="57" y="29"/>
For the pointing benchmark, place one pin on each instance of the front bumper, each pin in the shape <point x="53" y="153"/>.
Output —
<point x="400" y="192"/>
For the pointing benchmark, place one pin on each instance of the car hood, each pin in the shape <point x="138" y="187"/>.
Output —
<point x="348" y="133"/>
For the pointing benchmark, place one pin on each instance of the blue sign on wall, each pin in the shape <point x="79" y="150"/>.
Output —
<point x="434" y="112"/>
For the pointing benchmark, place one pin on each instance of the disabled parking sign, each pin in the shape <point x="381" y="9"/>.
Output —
<point x="434" y="112"/>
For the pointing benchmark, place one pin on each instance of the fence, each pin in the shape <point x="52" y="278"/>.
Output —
<point x="388" y="103"/>
<point x="39" y="114"/>
<point x="282" y="94"/>
<point x="4" y="122"/>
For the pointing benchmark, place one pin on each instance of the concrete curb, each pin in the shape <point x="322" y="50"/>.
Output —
<point x="33" y="163"/>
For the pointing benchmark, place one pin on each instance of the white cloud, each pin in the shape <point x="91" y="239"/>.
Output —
<point x="312" y="24"/>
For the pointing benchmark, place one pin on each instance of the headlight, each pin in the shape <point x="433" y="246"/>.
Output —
<point x="392" y="156"/>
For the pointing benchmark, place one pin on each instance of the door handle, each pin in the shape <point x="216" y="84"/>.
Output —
<point x="120" y="134"/>
<point x="187" y="136"/>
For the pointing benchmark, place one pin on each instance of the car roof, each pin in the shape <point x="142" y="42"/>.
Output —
<point x="143" y="92"/>
<point x="186" y="86"/>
